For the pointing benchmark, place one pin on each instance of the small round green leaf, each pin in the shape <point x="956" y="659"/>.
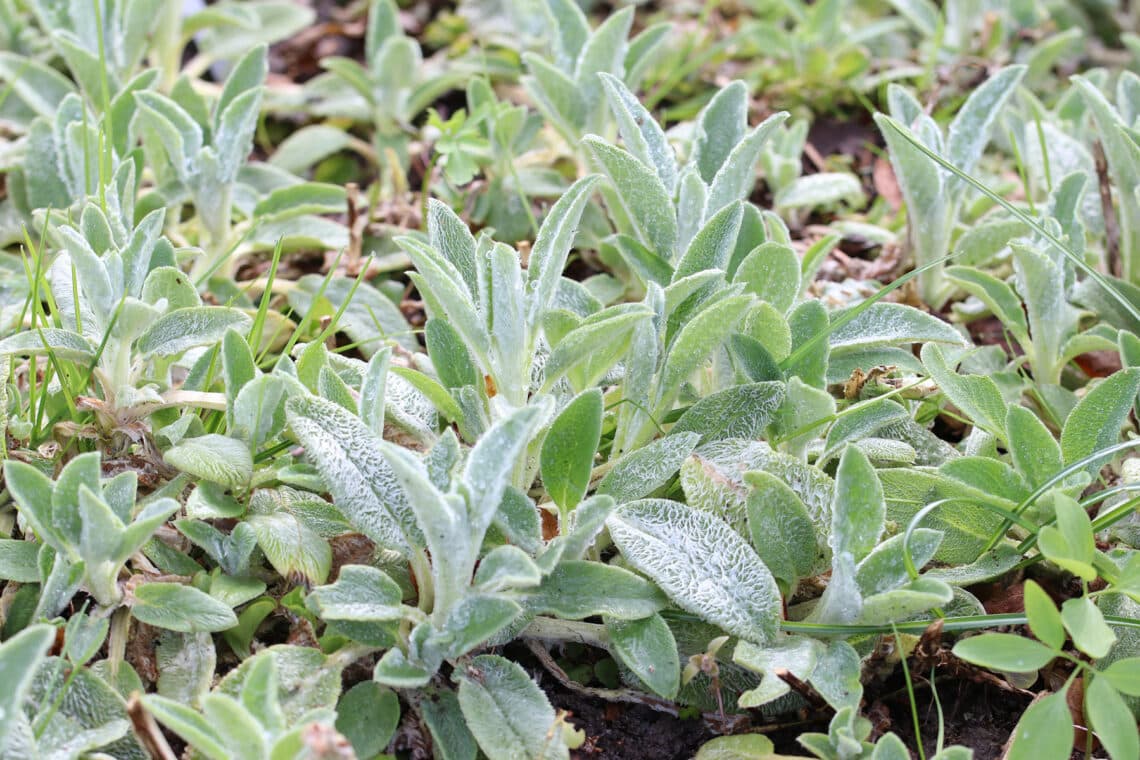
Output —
<point x="1125" y="676"/>
<point x="647" y="647"/>
<point x="1111" y="719"/>
<point x="1004" y="651"/>
<point x="1044" y="619"/>
<point x="1085" y="623"/>
<point x="1045" y="731"/>
<point x="368" y="715"/>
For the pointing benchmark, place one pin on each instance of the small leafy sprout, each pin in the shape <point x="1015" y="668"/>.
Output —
<point x="706" y="663"/>
<point x="125" y="314"/>
<point x="199" y="149"/>
<point x="90" y="522"/>
<point x="935" y="198"/>
<point x="390" y="90"/>
<point x="252" y="722"/>
<point x="566" y="86"/>
<point x="1045" y="723"/>
<point x="460" y="145"/>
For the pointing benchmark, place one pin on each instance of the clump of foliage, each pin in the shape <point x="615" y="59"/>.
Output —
<point x="580" y="376"/>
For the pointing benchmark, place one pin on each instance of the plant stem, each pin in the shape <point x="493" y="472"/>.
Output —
<point x="167" y="47"/>
<point x="215" y="215"/>
<point x="421" y="571"/>
<point x="117" y="639"/>
<point x="349" y="654"/>
<point x="556" y="631"/>
<point x="277" y="287"/>
<point x="200" y="399"/>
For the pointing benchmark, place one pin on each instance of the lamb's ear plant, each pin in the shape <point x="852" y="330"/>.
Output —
<point x="249" y="720"/>
<point x="69" y="711"/>
<point x="33" y="89"/>
<point x="782" y="164"/>
<point x="91" y="527"/>
<point x="1114" y="299"/>
<point x="102" y="43"/>
<point x="1039" y="36"/>
<point x="197" y="150"/>
<point x="20" y="34"/>
<point x="749" y="329"/>
<point x="1115" y="126"/>
<point x="664" y="354"/>
<point x="390" y="90"/>
<point x="869" y="581"/>
<point x="222" y="32"/>
<point x="496" y="333"/>
<point x="934" y="197"/>
<point x="61" y="166"/>
<point x="255" y="398"/>
<point x="680" y="249"/>
<point x="781" y="159"/>
<point x="225" y="31"/>
<point x="102" y="46"/>
<point x="848" y="735"/>
<point x="440" y="511"/>
<point x="661" y="205"/>
<point x="122" y="312"/>
<point x="727" y="477"/>
<point x="20" y="657"/>
<point x="1035" y="308"/>
<point x="565" y="85"/>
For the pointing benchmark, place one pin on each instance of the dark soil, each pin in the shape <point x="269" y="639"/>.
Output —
<point x="616" y="731"/>
<point x="979" y="716"/>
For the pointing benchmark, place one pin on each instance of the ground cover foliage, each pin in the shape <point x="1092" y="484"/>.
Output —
<point x="429" y="380"/>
